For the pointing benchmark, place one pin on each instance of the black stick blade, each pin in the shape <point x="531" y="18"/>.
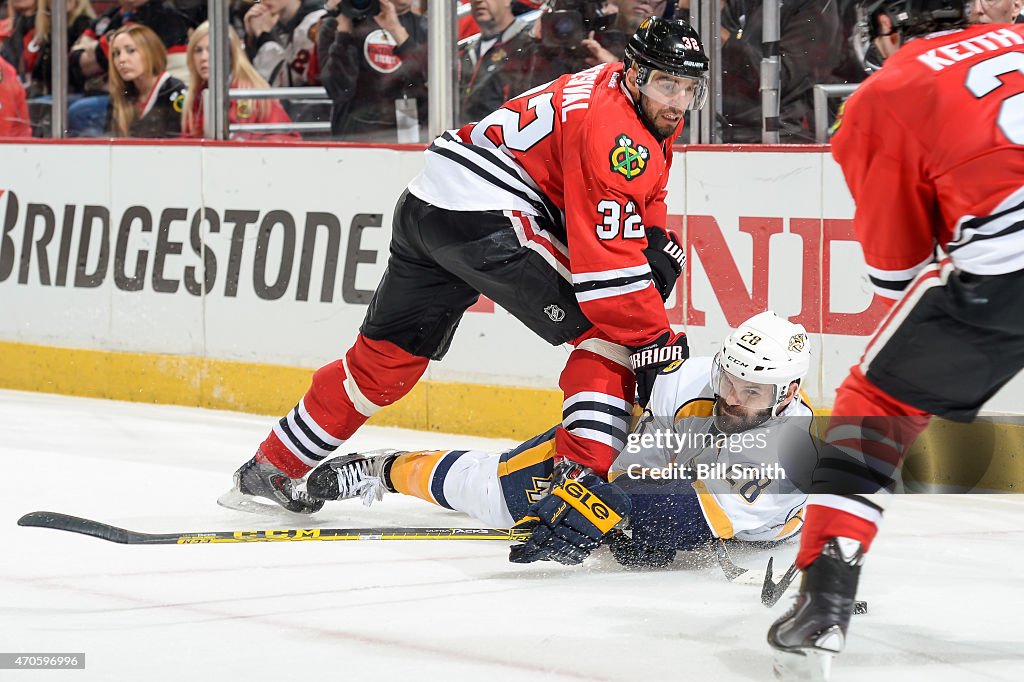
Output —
<point x="74" y="524"/>
<point x="771" y="592"/>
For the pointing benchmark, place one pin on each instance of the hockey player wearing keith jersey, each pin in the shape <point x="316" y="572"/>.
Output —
<point x="931" y="148"/>
<point x="553" y="207"/>
<point x="693" y="469"/>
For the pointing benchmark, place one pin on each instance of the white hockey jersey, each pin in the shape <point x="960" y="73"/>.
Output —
<point x="747" y="483"/>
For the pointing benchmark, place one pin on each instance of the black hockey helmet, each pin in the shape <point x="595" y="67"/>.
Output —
<point x="915" y="17"/>
<point x="669" y="45"/>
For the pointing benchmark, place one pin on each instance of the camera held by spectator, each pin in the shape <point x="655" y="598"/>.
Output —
<point x="359" y="9"/>
<point x="570" y="21"/>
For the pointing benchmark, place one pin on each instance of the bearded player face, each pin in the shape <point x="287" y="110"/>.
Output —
<point x="741" y="405"/>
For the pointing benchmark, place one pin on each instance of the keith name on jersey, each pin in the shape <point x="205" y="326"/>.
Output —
<point x="948" y="55"/>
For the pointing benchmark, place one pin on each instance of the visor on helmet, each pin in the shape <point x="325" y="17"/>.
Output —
<point x="740" y="392"/>
<point x="677" y="91"/>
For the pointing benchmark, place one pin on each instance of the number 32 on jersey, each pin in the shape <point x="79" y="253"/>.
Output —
<point x="619" y="218"/>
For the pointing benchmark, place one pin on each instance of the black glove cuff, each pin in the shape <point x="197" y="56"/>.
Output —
<point x="663" y="272"/>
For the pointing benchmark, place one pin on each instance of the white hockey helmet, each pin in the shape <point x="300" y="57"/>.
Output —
<point x="768" y="350"/>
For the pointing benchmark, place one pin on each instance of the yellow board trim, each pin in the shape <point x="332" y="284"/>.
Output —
<point x="473" y="409"/>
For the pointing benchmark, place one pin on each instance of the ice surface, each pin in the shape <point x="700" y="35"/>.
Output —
<point x="944" y="580"/>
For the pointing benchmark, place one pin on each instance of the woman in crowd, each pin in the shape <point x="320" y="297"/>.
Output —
<point x="145" y="100"/>
<point x="37" y="58"/>
<point x="243" y="76"/>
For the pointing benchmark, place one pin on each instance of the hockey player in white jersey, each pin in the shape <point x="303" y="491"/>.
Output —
<point x="722" y="450"/>
<point x="705" y="460"/>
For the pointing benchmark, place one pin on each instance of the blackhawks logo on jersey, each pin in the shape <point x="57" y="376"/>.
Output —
<point x="627" y="160"/>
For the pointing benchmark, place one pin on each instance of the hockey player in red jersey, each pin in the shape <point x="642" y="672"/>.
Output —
<point x="930" y="146"/>
<point x="554" y="207"/>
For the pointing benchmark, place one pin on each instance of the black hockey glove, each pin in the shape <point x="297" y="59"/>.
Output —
<point x="666" y="257"/>
<point x="649" y="359"/>
<point x="569" y="523"/>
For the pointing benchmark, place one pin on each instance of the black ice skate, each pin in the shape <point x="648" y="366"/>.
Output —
<point x="257" y="479"/>
<point x="814" y="629"/>
<point x="359" y="474"/>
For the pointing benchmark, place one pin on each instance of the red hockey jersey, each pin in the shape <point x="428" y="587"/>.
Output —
<point x="573" y="152"/>
<point x="931" y="147"/>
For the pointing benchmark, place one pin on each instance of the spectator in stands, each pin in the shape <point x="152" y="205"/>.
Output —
<point x="633" y="12"/>
<point x="810" y="50"/>
<point x="467" y="26"/>
<point x="38" y="57"/>
<point x="21" y="20"/>
<point x="994" y="11"/>
<point x="568" y="45"/>
<point x="145" y="100"/>
<point x="375" y="70"/>
<point x="243" y="76"/>
<point x="495" y="64"/>
<point x="196" y="11"/>
<point x="89" y="56"/>
<point x="279" y="40"/>
<point x="89" y="63"/>
<point x="855" y="62"/>
<point x="13" y="109"/>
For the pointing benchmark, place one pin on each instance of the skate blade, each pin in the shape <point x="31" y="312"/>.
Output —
<point x="236" y="500"/>
<point x="813" y="666"/>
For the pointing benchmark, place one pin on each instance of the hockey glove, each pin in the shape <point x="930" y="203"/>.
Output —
<point x="666" y="257"/>
<point x="568" y="524"/>
<point x="649" y="359"/>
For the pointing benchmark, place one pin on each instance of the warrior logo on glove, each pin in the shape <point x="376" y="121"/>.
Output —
<point x="650" y="356"/>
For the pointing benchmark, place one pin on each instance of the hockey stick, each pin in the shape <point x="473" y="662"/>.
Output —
<point x="96" y="529"/>
<point x="771" y="592"/>
<point x="733" y="573"/>
<point x="731" y="570"/>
